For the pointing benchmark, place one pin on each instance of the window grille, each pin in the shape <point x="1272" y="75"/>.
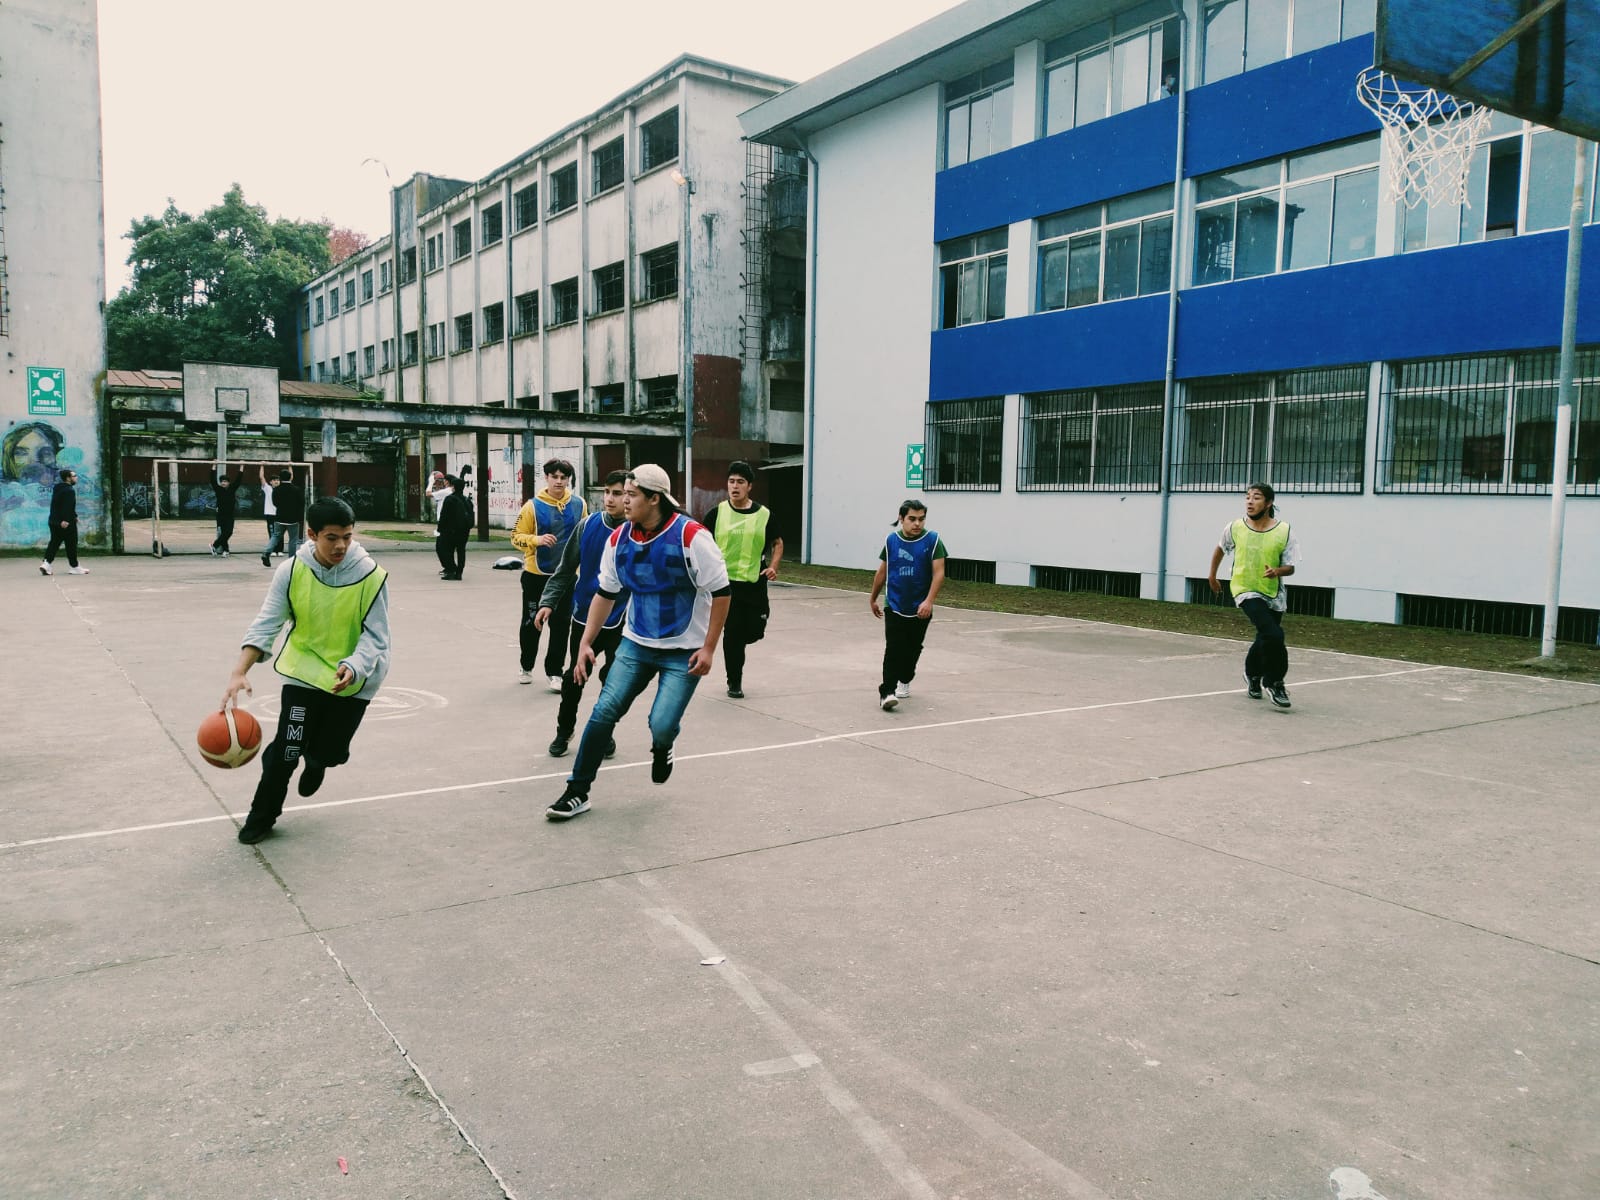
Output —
<point x="563" y="188"/>
<point x="786" y="395"/>
<point x="969" y="570"/>
<point x="609" y="288"/>
<point x="610" y="399"/>
<point x="491" y="224"/>
<point x="661" y="392"/>
<point x="369" y="360"/>
<point x="433" y="252"/>
<point x="607" y="167"/>
<point x="525" y="207"/>
<point x="408" y="266"/>
<point x="1300" y="431"/>
<point x="1487" y="424"/>
<point x="563" y="302"/>
<point x="658" y="140"/>
<point x="462" y="233"/>
<point x="1097" y="438"/>
<point x="527" y="313"/>
<point x="494" y="323"/>
<point x="564" y="401"/>
<point x="366" y="286"/>
<point x="963" y="440"/>
<point x="350" y="365"/>
<point x="463" y="332"/>
<point x="1505" y="618"/>
<point x="661" y="272"/>
<point x="385" y="276"/>
<point x="408" y="349"/>
<point x="333" y="300"/>
<point x="350" y="294"/>
<point x="1080" y="579"/>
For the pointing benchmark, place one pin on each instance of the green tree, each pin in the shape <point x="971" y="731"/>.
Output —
<point x="220" y="287"/>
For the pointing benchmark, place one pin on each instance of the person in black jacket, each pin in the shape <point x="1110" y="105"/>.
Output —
<point x="290" y="502"/>
<point x="226" y="492"/>
<point x="455" y="524"/>
<point x="63" y="524"/>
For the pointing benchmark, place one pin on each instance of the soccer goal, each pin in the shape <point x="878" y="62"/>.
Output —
<point x="182" y="503"/>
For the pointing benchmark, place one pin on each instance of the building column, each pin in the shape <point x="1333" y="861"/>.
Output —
<point x="329" y="471"/>
<point x="482" y="472"/>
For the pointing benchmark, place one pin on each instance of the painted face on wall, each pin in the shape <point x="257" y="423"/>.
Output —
<point x="30" y="454"/>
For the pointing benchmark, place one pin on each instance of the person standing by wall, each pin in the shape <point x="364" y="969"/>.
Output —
<point x="63" y="524"/>
<point x="226" y="493"/>
<point x="911" y="568"/>
<point x="455" y="524"/>
<point x="753" y="551"/>
<point x="290" y="502"/>
<point x="543" y="527"/>
<point x="677" y="590"/>
<point x="1265" y="551"/>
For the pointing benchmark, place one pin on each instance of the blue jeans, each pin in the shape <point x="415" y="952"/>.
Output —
<point x="285" y="536"/>
<point x="631" y="672"/>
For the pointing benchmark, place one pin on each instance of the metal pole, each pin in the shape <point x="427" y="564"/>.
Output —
<point x="1583" y="167"/>
<point x="688" y="349"/>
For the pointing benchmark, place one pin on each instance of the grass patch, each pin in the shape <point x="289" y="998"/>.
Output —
<point x="1442" y="647"/>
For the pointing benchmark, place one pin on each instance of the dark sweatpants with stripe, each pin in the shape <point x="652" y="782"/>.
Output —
<point x="313" y="725"/>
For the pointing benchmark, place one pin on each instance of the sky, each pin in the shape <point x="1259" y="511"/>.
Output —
<point x="287" y="99"/>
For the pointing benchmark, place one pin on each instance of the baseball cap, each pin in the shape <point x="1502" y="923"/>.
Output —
<point x="653" y="479"/>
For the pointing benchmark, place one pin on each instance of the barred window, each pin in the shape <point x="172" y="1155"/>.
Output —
<point x="609" y="288"/>
<point x="494" y="323"/>
<point x="660" y="272"/>
<point x="350" y="365"/>
<point x="350" y="294"/>
<point x="563" y="302"/>
<point x="963" y="445"/>
<point x="660" y="392"/>
<point x="463" y="332"/>
<point x="658" y="140"/>
<point x="563" y="188"/>
<point x="525" y="207"/>
<point x="527" y="313"/>
<point x="609" y="399"/>
<point x="366" y="286"/>
<point x="490" y="224"/>
<point x="408" y="349"/>
<point x="972" y="279"/>
<point x="1301" y="431"/>
<point x="1487" y="424"/>
<point x="462" y="233"/>
<point x="369" y="360"/>
<point x="436" y="340"/>
<point x="1094" y="438"/>
<point x="564" y="401"/>
<point x="1106" y="251"/>
<point x="386" y="275"/>
<point x="606" y="167"/>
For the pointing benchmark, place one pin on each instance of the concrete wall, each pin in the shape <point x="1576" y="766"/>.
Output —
<point x="54" y="268"/>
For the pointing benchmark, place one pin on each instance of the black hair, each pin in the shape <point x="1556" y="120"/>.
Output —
<point x="286" y="476"/>
<point x="330" y="510"/>
<point x="742" y="469"/>
<point x="561" y="465"/>
<point x="456" y="482"/>
<point x="910" y="506"/>
<point x="668" y="508"/>
<point x="1266" y="490"/>
<point x="616" y="477"/>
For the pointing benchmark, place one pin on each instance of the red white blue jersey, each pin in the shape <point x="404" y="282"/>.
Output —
<point x="669" y="577"/>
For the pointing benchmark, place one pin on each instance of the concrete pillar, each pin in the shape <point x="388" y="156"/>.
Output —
<point x="328" y="472"/>
<point x="482" y="474"/>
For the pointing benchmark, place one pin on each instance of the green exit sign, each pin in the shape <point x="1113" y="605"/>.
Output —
<point x="47" y="391"/>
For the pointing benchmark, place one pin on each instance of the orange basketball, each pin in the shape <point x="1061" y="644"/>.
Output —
<point x="229" y="739"/>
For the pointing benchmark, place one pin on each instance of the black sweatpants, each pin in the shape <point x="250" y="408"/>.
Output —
<point x="556" y="626"/>
<point x="313" y="725"/>
<point x="452" y="552"/>
<point x="902" y="648"/>
<point x="746" y="625"/>
<point x="224" y="532"/>
<point x="59" y="537"/>
<point x="605" y="643"/>
<point x="1268" y="657"/>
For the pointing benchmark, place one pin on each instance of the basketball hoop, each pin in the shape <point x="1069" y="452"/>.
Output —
<point x="1429" y="136"/>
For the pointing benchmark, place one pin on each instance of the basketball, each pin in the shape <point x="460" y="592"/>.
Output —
<point x="229" y="739"/>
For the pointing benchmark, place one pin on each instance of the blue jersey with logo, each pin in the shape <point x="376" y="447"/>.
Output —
<point x="909" y="570"/>
<point x="656" y="576"/>
<point x="592" y="537"/>
<point x="560" y="520"/>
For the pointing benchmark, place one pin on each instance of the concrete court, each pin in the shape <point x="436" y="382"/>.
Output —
<point x="1079" y="920"/>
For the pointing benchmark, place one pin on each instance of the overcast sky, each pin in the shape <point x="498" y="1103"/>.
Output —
<point x="288" y="98"/>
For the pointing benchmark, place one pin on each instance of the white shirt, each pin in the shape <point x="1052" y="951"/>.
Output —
<point x="702" y="557"/>
<point x="1291" y="558"/>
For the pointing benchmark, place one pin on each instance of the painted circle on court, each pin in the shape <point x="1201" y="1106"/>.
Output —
<point x="390" y="704"/>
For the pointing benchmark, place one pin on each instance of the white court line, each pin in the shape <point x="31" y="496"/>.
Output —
<point x="683" y="758"/>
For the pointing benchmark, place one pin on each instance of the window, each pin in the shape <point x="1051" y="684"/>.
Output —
<point x="786" y="395"/>
<point x="350" y="365"/>
<point x="608" y="288"/>
<point x="329" y="370"/>
<point x="1302" y="431"/>
<point x="318" y="320"/>
<point x="525" y="208"/>
<point x="387" y="346"/>
<point x="436" y="340"/>
<point x="564" y="401"/>
<point x="494" y="323"/>
<point x="563" y="188"/>
<point x="349" y="294"/>
<point x="1111" y="67"/>
<point x="977" y="114"/>
<point x="658" y="140"/>
<point x="1106" y="251"/>
<point x="463" y="332"/>
<point x="1487" y="424"/>
<point x="661" y="392"/>
<point x="607" y="167"/>
<point x="660" y="272"/>
<point x="305" y="316"/>
<point x="1308" y="210"/>
<point x="369" y="361"/>
<point x="963" y="445"/>
<point x="491" y="225"/>
<point x="563" y="302"/>
<point x="1241" y="35"/>
<point x="366" y="286"/>
<point x="527" y="313"/>
<point x="1094" y="438"/>
<point x="333" y="300"/>
<point x="408" y="346"/>
<point x="385" y="276"/>
<point x="433" y="252"/>
<point x="462" y="235"/>
<point x="610" y="399"/>
<point x="972" y="279"/>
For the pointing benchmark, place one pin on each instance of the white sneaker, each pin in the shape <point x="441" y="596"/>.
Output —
<point x="902" y="691"/>
<point x="525" y="677"/>
<point x="887" y="702"/>
<point x="46" y="569"/>
<point x="78" y="571"/>
<point x="555" y="683"/>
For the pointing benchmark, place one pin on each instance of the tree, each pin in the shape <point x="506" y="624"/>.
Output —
<point x="342" y="242"/>
<point x="220" y="287"/>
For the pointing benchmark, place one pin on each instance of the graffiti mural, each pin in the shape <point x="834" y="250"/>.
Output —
<point x="33" y="453"/>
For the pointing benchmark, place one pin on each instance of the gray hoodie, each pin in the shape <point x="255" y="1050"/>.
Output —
<point x="370" y="659"/>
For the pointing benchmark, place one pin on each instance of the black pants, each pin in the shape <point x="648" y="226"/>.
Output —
<point x="748" y="610"/>
<point x="528" y="633"/>
<point x="452" y="551"/>
<point x="312" y="724"/>
<point x="902" y="647"/>
<point x="59" y="537"/>
<point x="605" y="643"/>
<point x="1268" y="658"/>
<point x="224" y="532"/>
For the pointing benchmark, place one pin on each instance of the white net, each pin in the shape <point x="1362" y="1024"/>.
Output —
<point x="1429" y="136"/>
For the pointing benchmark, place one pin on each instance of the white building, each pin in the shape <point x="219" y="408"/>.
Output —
<point x="52" y="265"/>
<point x="1094" y="359"/>
<point x="559" y="282"/>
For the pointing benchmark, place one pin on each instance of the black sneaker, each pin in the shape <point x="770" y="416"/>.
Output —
<point x="250" y="833"/>
<point x="570" y="805"/>
<point x="735" y="693"/>
<point x="311" y="778"/>
<point x="266" y="561"/>
<point x="1280" y="694"/>
<point x="559" y="744"/>
<point x="660" y="763"/>
<point x="611" y="748"/>
<point x="1252" y="686"/>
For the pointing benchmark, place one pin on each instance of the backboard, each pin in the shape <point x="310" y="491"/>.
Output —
<point x="1538" y="59"/>
<point x="214" y="392"/>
